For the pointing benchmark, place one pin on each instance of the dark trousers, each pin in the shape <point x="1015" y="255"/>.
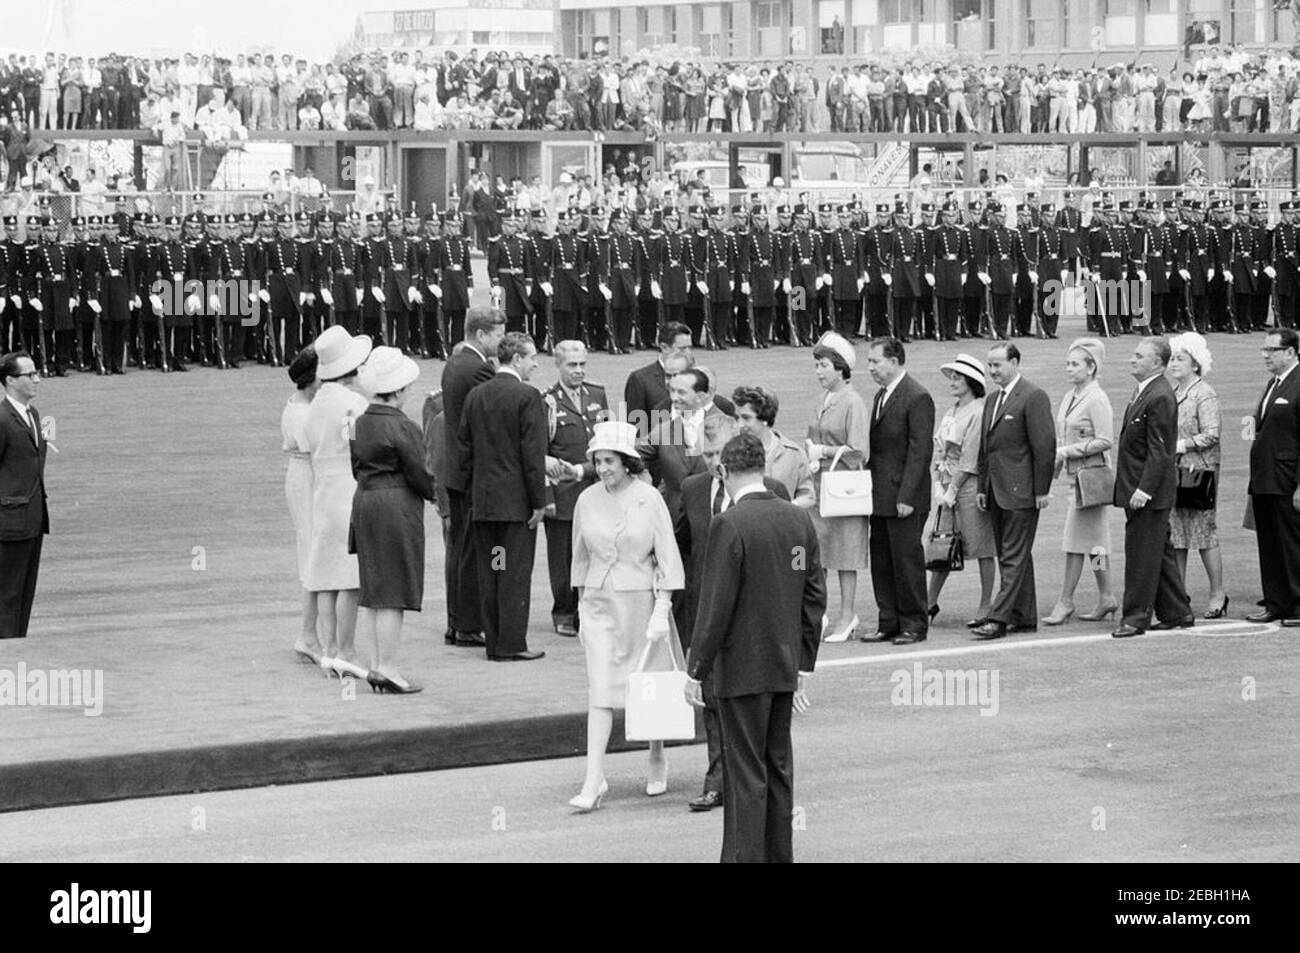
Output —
<point x="234" y="341"/>
<point x="1001" y="318"/>
<point x="1024" y="317"/>
<point x="762" y="325"/>
<point x="647" y="322"/>
<point x="898" y="572"/>
<point x="972" y="313"/>
<point x="397" y="329"/>
<point x="714" y="776"/>
<point x="905" y="319"/>
<point x="1277" y="536"/>
<point x="1013" y="533"/>
<point x="559" y="560"/>
<point x="460" y="569"/>
<point x="1151" y="577"/>
<point x="948" y="311"/>
<point x="622" y="328"/>
<point x="878" y="316"/>
<point x="20" y="560"/>
<point x="758" y="762"/>
<point x="114" y="344"/>
<point x="455" y="328"/>
<point x="721" y="321"/>
<point x="504" y="553"/>
<point x="848" y="315"/>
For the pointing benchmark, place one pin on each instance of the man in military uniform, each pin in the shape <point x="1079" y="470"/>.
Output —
<point x="1286" y="266"/>
<point x="905" y="252"/>
<point x="1263" y="237"/>
<point x="1070" y="222"/>
<point x="618" y="269"/>
<point x="1107" y="263"/>
<point x="715" y="255"/>
<point x="877" y="252"/>
<point x="433" y="338"/>
<point x="13" y="270"/>
<point x="761" y="265"/>
<point x="807" y="263"/>
<point x="947" y="259"/>
<point x="83" y="251"/>
<point x="973" y="288"/>
<point x="568" y="277"/>
<point x="845" y="275"/>
<point x="1198" y="257"/>
<point x="539" y="278"/>
<point x="509" y="264"/>
<point x="374" y="299"/>
<point x="996" y="270"/>
<point x="1029" y="250"/>
<point x="1241" y="268"/>
<point x="573" y="408"/>
<point x="454" y="282"/>
<point x="173" y="262"/>
<point x="399" y="293"/>
<point x="114" y="289"/>
<point x="649" y="240"/>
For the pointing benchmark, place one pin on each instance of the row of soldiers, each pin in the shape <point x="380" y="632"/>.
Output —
<point x="611" y="278"/>
<point x="218" y="290"/>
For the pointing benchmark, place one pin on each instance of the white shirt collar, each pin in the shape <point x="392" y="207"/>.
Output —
<point x="511" y="371"/>
<point x="1280" y="377"/>
<point x="1006" y="391"/>
<point x="747" y="491"/>
<point x="893" y="386"/>
<point x="20" y="407"/>
<point x="1142" y="385"/>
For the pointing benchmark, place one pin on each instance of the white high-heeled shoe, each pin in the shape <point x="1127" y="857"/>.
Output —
<point x="845" y="633"/>
<point x="655" y="788"/>
<point x="343" y="668"/>
<point x="327" y="666"/>
<point x="585" y="805"/>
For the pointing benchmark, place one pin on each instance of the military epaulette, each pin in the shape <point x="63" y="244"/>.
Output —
<point x="493" y="238"/>
<point x="595" y="384"/>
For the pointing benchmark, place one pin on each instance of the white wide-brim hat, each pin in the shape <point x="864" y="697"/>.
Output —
<point x="339" y="353"/>
<point x="386" y="371"/>
<point x="613" y="435"/>
<point x="841" y="346"/>
<point x="968" y="367"/>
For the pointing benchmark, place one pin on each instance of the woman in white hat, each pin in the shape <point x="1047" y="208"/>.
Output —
<point x="1199" y="425"/>
<point x="956" y="475"/>
<point x="625" y="567"/>
<point x="331" y="570"/>
<point x="388" y="511"/>
<point x="841" y="426"/>
<point x="1085" y="433"/>
<point x="297" y="488"/>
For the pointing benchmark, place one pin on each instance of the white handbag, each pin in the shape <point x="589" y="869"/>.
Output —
<point x="844" y="492"/>
<point x="655" y="706"/>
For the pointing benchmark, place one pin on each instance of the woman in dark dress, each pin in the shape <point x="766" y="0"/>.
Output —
<point x="388" y="511"/>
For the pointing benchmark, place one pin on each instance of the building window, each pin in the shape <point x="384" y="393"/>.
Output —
<point x="1119" y="19"/>
<point x="1078" y="23"/>
<point x="1247" y="21"/>
<point x="650" y="26"/>
<point x="600" y="36"/>
<point x="1160" y="23"/>
<point x="896" y="18"/>
<point x="975" y="25"/>
<point x="931" y="28"/>
<point x="670" y="25"/>
<point x="768" y="20"/>
<point x="708" y="29"/>
<point x="830" y="23"/>
<point x="1043" y="23"/>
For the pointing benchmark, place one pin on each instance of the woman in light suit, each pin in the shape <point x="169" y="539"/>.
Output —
<point x="297" y="489"/>
<point x="842" y="422"/>
<point x="625" y="568"/>
<point x="1085" y="433"/>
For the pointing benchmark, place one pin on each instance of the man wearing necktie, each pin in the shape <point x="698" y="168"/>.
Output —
<point x="24" y="517"/>
<point x="1275" y="481"/>
<point x="704" y="496"/>
<point x="1146" y="482"/>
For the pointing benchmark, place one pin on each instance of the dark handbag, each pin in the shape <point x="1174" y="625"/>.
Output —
<point x="944" y="551"/>
<point x="1197" y="490"/>
<point x="1094" y="486"/>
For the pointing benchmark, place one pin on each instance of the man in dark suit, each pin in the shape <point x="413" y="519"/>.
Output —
<point x="704" y="496"/>
<point x="647" y="387"/>
<point x="1145" y="485"/>
<point x="1016" y="459"/>
<point x="24" y="517"/>
<point x="573" y="408"/>
<point x="502" y="440"/>
<point x="1275" y="481"/>
<point x="756" y="636"/>
<point x="468" y="368"/>
<point x="902" y="431"/>
<point x="672" y="449"/>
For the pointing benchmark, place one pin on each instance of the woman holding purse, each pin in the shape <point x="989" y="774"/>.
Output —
<point x="1192" y="523"/>
<point x="839" y="438"/>
<point x="956" y="472"/>
<point x="625" y="568"/>
<point x="1085" y="432"/>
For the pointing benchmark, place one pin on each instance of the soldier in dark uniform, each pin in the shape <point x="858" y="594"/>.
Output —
<point x="13" y="267"/>
<point x="877" y="258"/>
<point x="173" y="262"/>
<point x="845" y="275"/>
<point x="82" y="250"/>
<point x="115" y="287"/>
<point x="248" y="259"/>
<point x="927" y="327"/>
<point x="539" y="274"/>
<point x="1241" y="269"/>
<point x="373" y="302"/>
<point x="973" y="287"/>
<point x="208" y="256"/>
<point x="1220" y="292"/>
<point x="339" y="277"/>
<point x="509" y="263"/>
<point x="145" y="251"/>
<point x="1263" y="234"/>
<point x="997" y="271"/>
<point x="618" y="270"/>
<point x="285" y="274"/>
<point x="693" y="235"/>
<point x="1198" y="258"/>
<point x="761" y="266"/>
<point x="1108" y="264"/>
<point x="573" y="408"/>
<point x="825" y="300"/>
<point x="715" y="255"/>
<point x="672" y="269"/>
<point x="1070" y="222"/>
<point x="1135" y="234"/>
<point x="947" y="260"/>
<point x="807" y="263"/>
<point x="1028" y="247"/>
<point x="649" y="239"/>
<point x="229" y="266"/>
<point x="736" y="229"/>
<point x="1157" y="268"/>
<point x="1051" y="271"/>
<point x="569" y="274"/>
<point x="454" y="280"/>
<point x="1286" y="266"/>
<point x="905" y="252"/>
<point x="395" y="267"/>
<point x="432" y="340"/>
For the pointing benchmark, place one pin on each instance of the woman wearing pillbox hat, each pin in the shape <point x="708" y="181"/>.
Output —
<point x="625" y="567"/>
<point x="841" y="426"/>
<point x="332" y="571"/>
<point x="387" y="524"/>
<point x="1085" y="433"/>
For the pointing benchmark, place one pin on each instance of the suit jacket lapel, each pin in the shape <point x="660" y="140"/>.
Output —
<point x="25" y="423"/>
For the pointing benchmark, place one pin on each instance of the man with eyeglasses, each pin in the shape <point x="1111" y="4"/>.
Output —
<point x="1274" y="486"/>
<point x="24" y="519"/>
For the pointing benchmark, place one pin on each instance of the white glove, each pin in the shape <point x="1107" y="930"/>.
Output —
<point x="744" y="287"/>
<point x="887" y="279"/>
<point x="657" y="629"/>
<point x="36" y="304"/>
<point x="1064" y="275"/>
<point x="214" y="304"/>
<point x="817" y="285"/>
<point x="264" y="296"/>
<point x="605" y="290"/>
<point x="311" y="297"/>
<point x="547" y="288"/>
<point x="73" y="303"/>
<point x="929" y="279"/>
<point x="1142" y="275"/>
<point x="703" y="286"/>
<point x="1209" y="275"/>
<point x="861" y="284"/>
<point x="1186" y="275"/>
<point x="94" y="306"/>
<point x="732" y="284"/>
<point x="193" y="304"/>
<point x="985" y="277"/>
<point x="1270" y="271"/>
<point x="378" y="293"/>
<point x="1033" y="277"/>
<point x="17" y="300"/>
<point x="302" y="298"/>
<point x="135" y="302"/>
<point x="1227" y="276"/>
<point x="826" y="279"/>
<point x="785" y="285"/>
<point x="327" y="297"/>
<point x="815" y="451"/>
<point x="437" y="291"/>
<point x="3" y="302"/>
<point x="156" y="302"/>
<point x="361" y="296"/>
<point x="655" y="290"/>
<point x="414" y="296"/>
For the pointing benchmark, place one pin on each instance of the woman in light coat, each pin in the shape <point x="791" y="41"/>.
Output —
<point x="298" y="489"/>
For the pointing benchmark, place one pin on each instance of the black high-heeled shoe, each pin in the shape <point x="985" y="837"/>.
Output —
<point x="934" y="611"/>
<point x="1218" y="612"/>
<point x="384" y="685"/>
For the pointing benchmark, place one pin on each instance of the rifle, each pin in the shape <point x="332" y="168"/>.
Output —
<point x="789" y="319"/>
<point x="988" y="312"/>
<point x="162" y="340"/>
<point x="1101" y="305"/>
<point x="1038" y="312"/>
<point x="550" y="324"/>
<point x="710" y="340"/>
<point x="220" y="332"/>
<point x="749" y="310"/>
<point x="97" y="343"/>
<point x="442" y="330"/>
<point x="79" y="352"/>
<point x="611" y="339"/>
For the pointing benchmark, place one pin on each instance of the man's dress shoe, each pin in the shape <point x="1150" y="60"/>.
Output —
<point x="705" y="802"/>
<point x="991" y="629"/>
<point x="1126" y="632"/>
<point x="1186" y="622"/>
